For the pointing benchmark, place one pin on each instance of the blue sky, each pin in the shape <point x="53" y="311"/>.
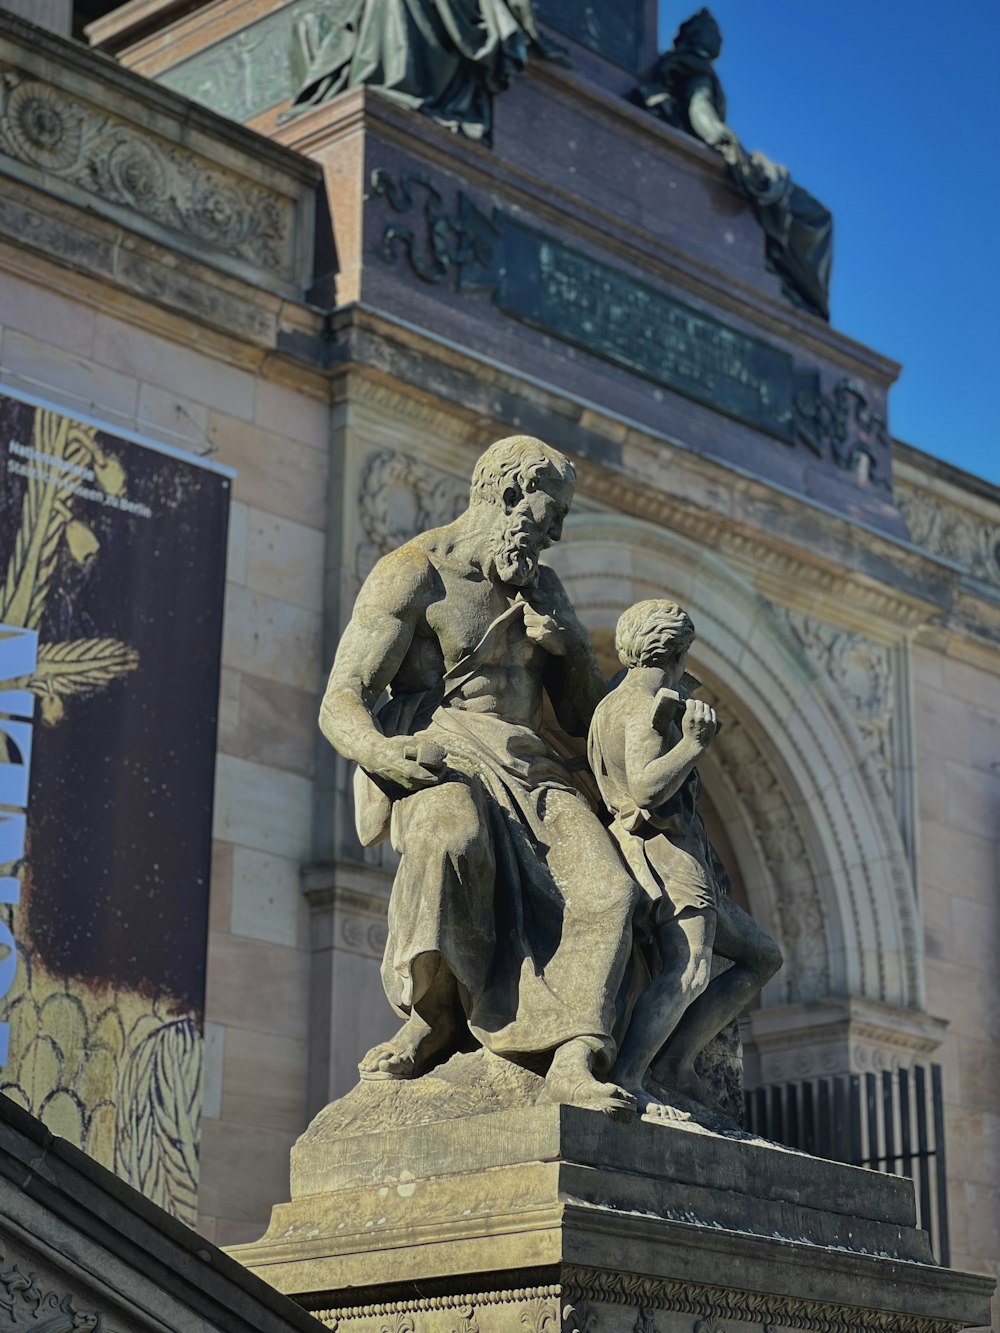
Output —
<point x="889" y="111"/>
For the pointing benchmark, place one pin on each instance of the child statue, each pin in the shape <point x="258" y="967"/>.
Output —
<point x="645" y="741"/>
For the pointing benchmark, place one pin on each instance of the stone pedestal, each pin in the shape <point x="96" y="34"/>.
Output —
<point x="465" y="1219"/>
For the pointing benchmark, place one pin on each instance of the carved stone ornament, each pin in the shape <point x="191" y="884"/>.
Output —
<point x="608" y="1302"/>
<point x="55" y="133"/>
<point x="400" y="497"/>
<point x="952" y="533"/>
<point x="843" y="426"/>
<point x="29" y="1305"/>
<point x="862" y="671"/>
<point x="465" y="237"/>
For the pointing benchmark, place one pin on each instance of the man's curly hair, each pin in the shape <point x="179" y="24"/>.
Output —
<point x="514" y="461"/>
<point x="653" y="632"/>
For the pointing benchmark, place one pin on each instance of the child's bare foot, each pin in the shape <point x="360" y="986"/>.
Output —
<point x="653" y="1107"/>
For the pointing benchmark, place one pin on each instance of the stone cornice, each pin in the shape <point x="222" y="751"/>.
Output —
<point x="777" y="538"/>
<point x="888" y="1026"/>
<point x="57" y="245"/>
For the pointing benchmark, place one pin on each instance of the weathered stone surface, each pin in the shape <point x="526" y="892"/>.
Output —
<point x="557" y="1204"/>
<point x="81" y="1250"/>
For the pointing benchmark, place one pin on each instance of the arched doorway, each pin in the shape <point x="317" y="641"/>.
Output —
<point x="793" y="785"/>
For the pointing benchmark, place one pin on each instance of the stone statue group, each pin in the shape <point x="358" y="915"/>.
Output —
<point x="575" y="942"/>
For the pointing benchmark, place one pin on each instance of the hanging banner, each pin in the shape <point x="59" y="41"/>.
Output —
<point x="112" y="570"/>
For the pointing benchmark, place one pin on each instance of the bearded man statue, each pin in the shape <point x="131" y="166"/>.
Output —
<point x="510" y="914"/>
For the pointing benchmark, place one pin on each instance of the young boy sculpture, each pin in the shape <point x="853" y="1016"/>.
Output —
<point x="645" y="741"/>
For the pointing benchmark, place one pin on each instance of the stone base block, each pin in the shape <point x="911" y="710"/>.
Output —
<point x="542" y="1218"/>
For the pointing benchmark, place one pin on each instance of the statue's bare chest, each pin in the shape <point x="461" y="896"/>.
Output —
<point x="463" y="613"/>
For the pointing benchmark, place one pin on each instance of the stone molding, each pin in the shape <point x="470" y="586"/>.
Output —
<point x="838" y="1035"/>
<point x="74" y="142"/>
<point x="70" y="129"/>
<point x="591" y="1301"/>
<point x="359" y="914"/>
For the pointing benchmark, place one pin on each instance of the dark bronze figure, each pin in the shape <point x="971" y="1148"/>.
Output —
<point x="685" y="92"/>
<point x="446" y="58"/>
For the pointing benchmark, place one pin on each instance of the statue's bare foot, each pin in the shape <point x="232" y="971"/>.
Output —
<point x="654" y="1107"/>
<point x="408" y="1053"/>
<point x="571" y="1081"/>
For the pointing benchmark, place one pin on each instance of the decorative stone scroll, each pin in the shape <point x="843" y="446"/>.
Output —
<point x="27" y="1304"/>
<point x="49" y="130"/>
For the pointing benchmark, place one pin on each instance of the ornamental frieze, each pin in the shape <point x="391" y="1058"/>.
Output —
<point x="53" y="132"/>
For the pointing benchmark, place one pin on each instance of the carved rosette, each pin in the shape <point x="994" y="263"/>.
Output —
<point x="48" y="129"/>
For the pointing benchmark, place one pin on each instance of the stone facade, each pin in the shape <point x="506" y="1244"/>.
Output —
<point x="160" y="278"/>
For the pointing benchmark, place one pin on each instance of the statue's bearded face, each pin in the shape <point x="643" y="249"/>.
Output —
<point x="530" y="520"/>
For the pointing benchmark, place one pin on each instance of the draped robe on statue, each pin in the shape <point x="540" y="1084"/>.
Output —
<point x="538" y="954"/>
<point x="446" y="58"/>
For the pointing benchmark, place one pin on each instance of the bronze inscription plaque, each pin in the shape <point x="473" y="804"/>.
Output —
<point x="608" y="313"/>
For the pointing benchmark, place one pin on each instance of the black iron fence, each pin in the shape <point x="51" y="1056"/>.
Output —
<point x="891" y="1122"/>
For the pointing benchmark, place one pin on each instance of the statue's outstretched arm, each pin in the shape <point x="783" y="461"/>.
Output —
<point x="371" y="651"/>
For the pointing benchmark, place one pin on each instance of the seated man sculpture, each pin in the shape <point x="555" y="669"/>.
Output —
<point x="510" y="914"/>
<point x="645" y="742"/>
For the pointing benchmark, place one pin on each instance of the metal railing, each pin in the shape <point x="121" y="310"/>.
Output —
<point x="892" y="1123"/>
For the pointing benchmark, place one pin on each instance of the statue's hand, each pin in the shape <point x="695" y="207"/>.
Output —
<point x="699" y="723"/>
<point x="668" y="707"/>
<point x="409" y="762"/>
<point x="546" y="631"/>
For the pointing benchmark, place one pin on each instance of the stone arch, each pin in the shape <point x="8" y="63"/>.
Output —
<point x="808" y="817"/>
